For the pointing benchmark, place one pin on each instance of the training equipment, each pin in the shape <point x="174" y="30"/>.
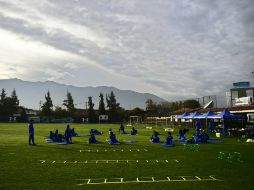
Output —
<point x="111" y="142"/>
<point x="65" y="143"/>
<point x="130" y="141"/>
<point x="214" y="140"/>
<point x="168" y="145"/>
<point x="230" y="156"/>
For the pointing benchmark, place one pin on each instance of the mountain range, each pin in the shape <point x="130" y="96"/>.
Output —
<point x="32" y="94"/>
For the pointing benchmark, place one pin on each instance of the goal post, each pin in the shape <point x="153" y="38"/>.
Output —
<point x="134" y="120"/>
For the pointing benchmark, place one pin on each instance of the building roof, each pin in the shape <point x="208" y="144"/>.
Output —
<point x="233" y="109"/>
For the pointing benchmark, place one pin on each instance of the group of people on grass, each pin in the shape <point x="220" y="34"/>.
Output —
<point x="67" y="136"/>
<point x="69" y="133"/>
<point x="198" y="137"/>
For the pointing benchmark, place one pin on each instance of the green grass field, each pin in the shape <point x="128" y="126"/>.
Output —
<point x="53" y="166"/>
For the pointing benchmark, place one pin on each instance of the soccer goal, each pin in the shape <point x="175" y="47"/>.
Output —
<point x="135" y="120"/>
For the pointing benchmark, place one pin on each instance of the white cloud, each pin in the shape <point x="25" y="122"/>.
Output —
<point x="169" y="48"/>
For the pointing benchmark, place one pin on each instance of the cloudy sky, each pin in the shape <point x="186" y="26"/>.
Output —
<point x="175" y="49"/>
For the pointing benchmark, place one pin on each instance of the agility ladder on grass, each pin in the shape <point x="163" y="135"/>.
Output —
<point x="146" y="180"/>
<point x="107" y="161"/>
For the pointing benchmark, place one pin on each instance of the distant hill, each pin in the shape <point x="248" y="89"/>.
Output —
<point x="31" y="93"/>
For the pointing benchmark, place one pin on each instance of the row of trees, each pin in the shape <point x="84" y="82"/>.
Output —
<point x="163" y="108"/>
<point x="114" y="111"/>
<point x="9" y="105"/>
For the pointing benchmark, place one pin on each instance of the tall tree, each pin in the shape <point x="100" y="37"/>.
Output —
<point x="47" y="107"/>
<point x="90" y="111"/>
<point x="191" y="104"/>
<point x="3" y="103"/>
<point x="150" y="105"/>
<point x="14" y="101"/>
<point x="60" y="112"/>
<point x="2" y="96"/>
<point x="112" y="107"/>
<point x="69" y="104"/>
<point x="102" y="109"/>
<point x="8" y="105"/>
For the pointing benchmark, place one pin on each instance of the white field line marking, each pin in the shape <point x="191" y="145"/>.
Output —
<point x="183" y="178"/>
<point x="42" y="161"/>
<point x="88" y="181"/>
<point x="153" y="178"/>
<point x="166" y="160"/>
<point x="105" y="181"/>
<point x="198" y="177"/>
<point x="137" y="179"/>
<point x="176" y="161"/>
<point x="168" y="178"/>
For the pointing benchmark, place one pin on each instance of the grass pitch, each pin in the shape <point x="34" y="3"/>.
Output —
<point x="139" y="165"/>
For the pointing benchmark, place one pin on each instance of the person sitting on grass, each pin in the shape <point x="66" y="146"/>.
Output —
<point x="112" y="138"/>
<point x="121" y="129"/>
<point x="95" y="132"/>
<point x="73" y="133"/>
<point x="58" y="137"/>
<point x="67" y="134"/>
<point x="51" y="135"/>
<point x="154" y="138"/>
<point x="134" y="131"/>
<point x="92" y="139"/>
<point x="169" y="139"/>
<point x="201" y="138"/>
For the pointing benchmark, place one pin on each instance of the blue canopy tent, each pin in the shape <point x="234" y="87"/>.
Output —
<point x="225" y="114"/>
<point x="205" y="115"/>
<point x="183" y="115"/>
<point x="192" y="116"/>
